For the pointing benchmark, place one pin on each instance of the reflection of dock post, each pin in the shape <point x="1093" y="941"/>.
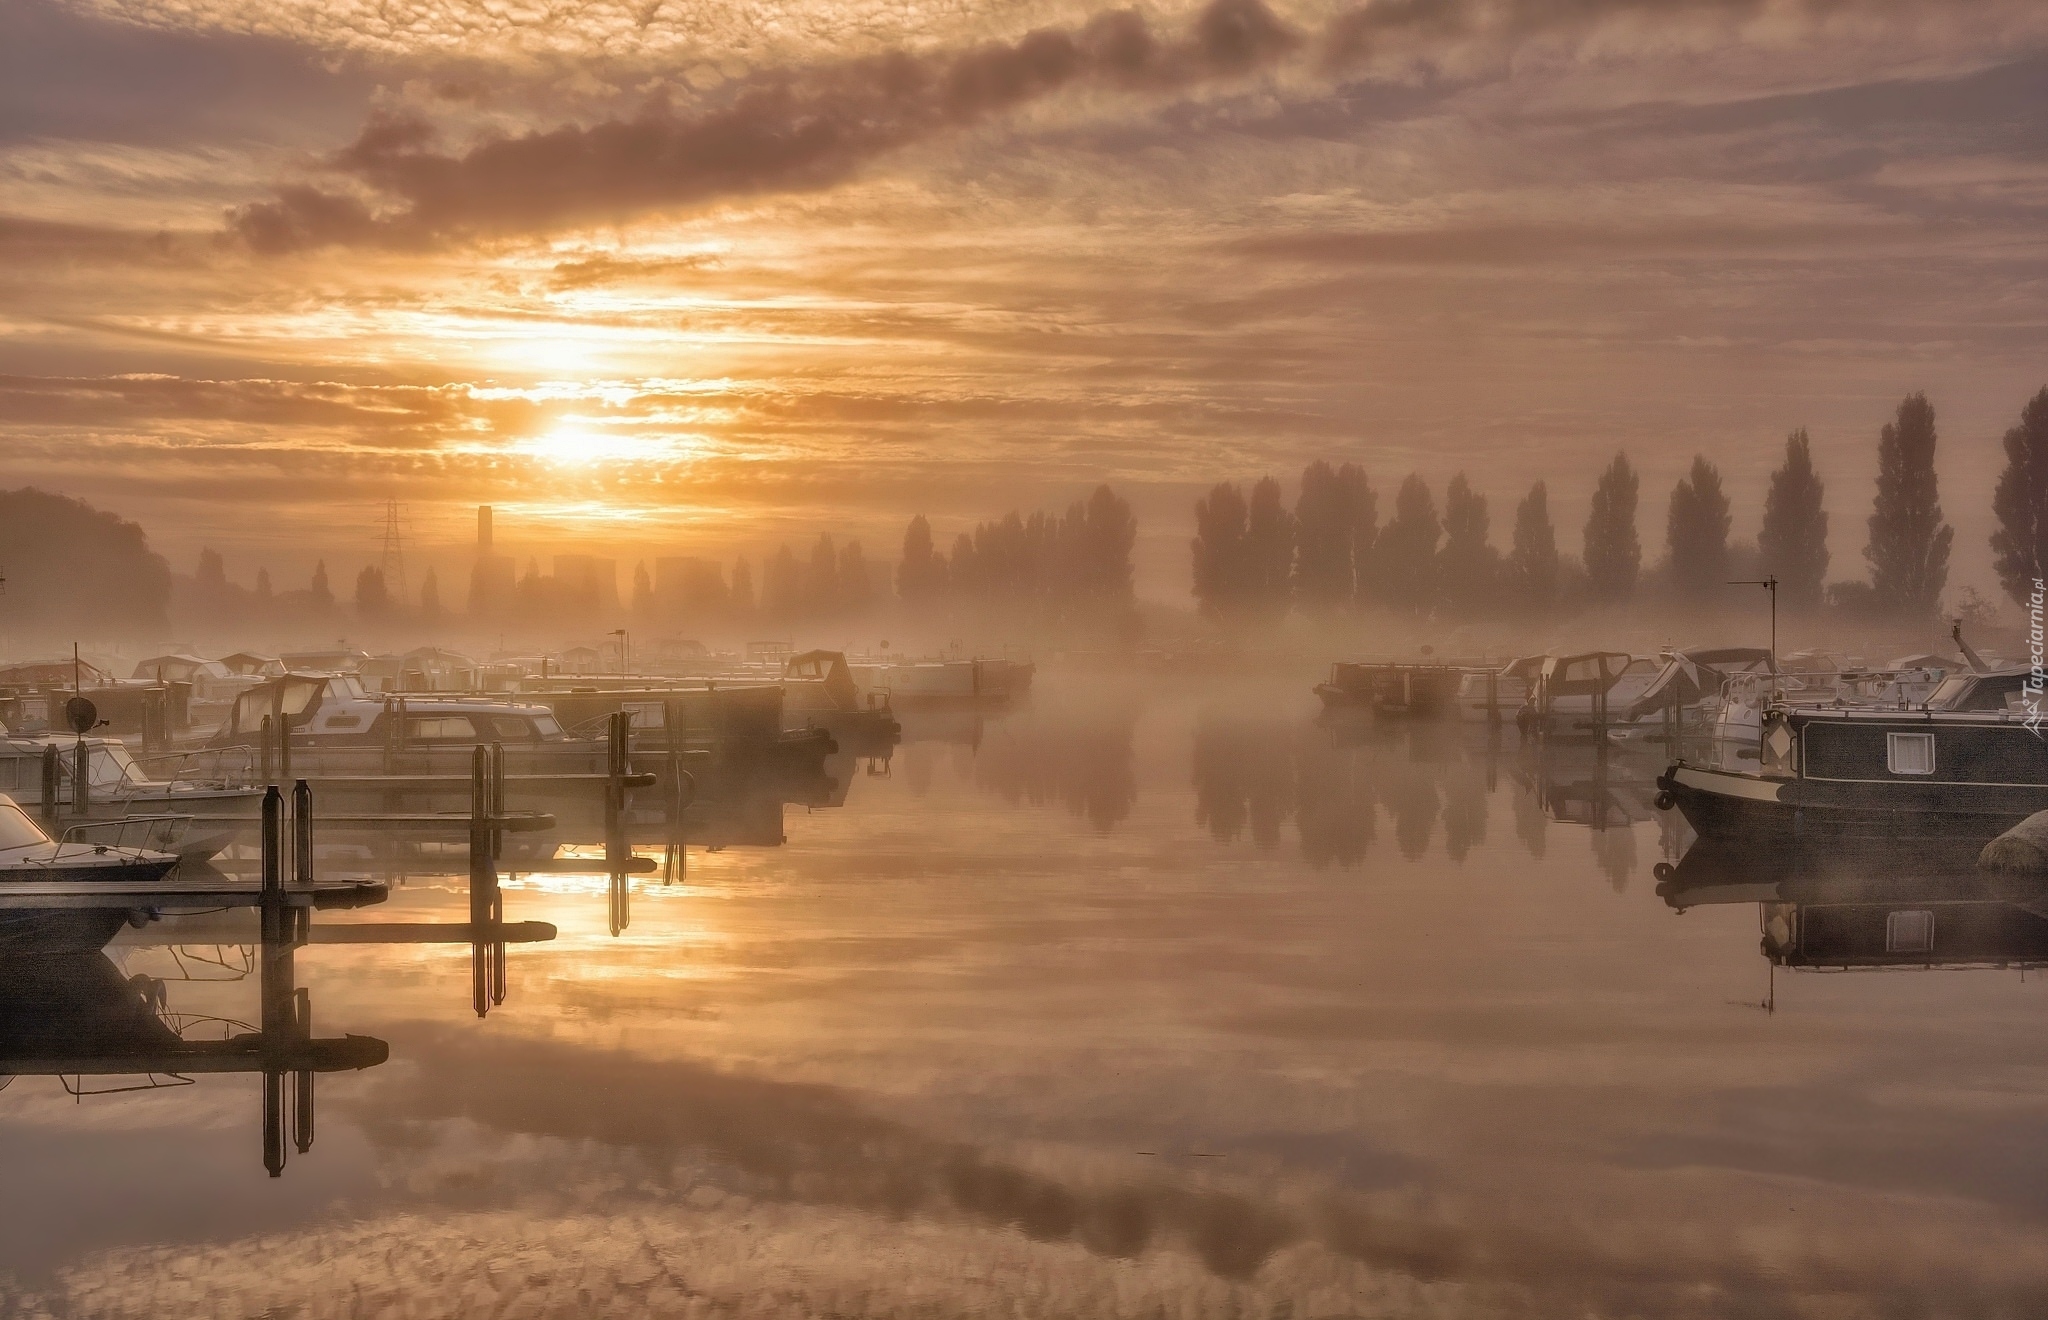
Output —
<point x="617" y="766"/>
<point x="486" y="904"/>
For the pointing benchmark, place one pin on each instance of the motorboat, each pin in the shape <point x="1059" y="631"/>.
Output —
<point x="818" y="691"/>
<point x="116" y="784"/>
<point x="29" y="855"/>
<point x="1490" y="695"/>
<point x="1589" y="695"/>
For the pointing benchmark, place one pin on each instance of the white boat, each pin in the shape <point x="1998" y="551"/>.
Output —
<point x="944" y="682"/>
<point x="28" y="855"/>
<point x="116" y="785"/>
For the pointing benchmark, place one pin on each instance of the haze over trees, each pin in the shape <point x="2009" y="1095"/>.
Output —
<point x="2019" y="541"/>
<point x="1468" y="567"/>
<point x="1533" y="565"/>
<point x="75" y="571"/>
<point x="1909" y="542"/>
<point x="1335" y="519"/>
<point x="1793" y="545"/>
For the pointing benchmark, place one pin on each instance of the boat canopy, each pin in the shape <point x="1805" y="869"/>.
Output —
<point x="830" y="668"/>
<point x="292" y="695"/>
<point x="1584" y="675"/>
<point x="1689" y="676"/>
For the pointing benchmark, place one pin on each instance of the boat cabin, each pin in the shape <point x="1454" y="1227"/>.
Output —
<point x="337" y="710"/>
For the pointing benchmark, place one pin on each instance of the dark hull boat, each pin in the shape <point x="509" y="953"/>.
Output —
<point x="1870" y="774"/>
<point x="28" y="856"/>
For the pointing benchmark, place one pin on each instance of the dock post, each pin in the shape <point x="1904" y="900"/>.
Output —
<point x="1493" y="698"/>
<point x="302" y="833"/>
<point x="263" y="752"/>
<point x="52" y="778"/>
<point x="482" y="879"/>
<point x="274" y="977"/>
<point x="81" y="778"/>
<point x="497" y="800"/>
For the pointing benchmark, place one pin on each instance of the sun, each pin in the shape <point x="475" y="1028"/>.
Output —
<point x="571" y="447"/>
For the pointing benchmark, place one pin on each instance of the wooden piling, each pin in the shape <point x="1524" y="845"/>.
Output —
<point x="274" y="976"/>
<point x="81" y="778"/>
<point x="52" y="778"/>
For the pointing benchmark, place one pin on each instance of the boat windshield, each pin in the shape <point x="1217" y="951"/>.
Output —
<point x="17" y="830"/>
<point x="1948" y="690"/>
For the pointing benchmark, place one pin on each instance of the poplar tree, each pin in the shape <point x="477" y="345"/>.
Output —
<point x="1467" y="567"/>
<point x="2020" y="542"/>
<point x="1269" y="553"/>
<point x="1613" y="553"/>
<point x="430" y="596"/>
<point x="1532" y="564"/>
<point x="1326" y="526"/>
<point x="1793" y="545"/>
<point x="1218" y="551"/>
<point x="1696" y="532"/>
<point x="1404" y="556"/>
<point x="921" y="573"/>
<point x="1909" y="543"/>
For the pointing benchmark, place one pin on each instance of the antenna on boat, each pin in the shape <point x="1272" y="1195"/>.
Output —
<point x="1768" y="583"/>
<point x="1977" y="665"/>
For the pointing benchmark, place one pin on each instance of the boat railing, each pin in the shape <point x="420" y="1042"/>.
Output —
<point x="202" y="765"/>
<point x="158" y="833"/>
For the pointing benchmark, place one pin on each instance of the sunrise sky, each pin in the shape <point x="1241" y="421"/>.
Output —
<point x="669" y="276"/>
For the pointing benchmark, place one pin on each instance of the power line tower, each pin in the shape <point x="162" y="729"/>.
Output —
<point x="393" y="565"/>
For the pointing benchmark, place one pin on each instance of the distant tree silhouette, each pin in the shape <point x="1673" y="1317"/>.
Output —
<point x="73" y="570"/>
<point x="1332" y="513"/>
<point x="1404" y="556"/>
<point x="1100" y="534"/>
<point x="263" y="591"/>
<point x="2020" y="541"/>
<point x="821" y="596"/>
<point x="1218" y="550"/>
<point x="1614" y="555"/>
<point x="323" y="595"/>
<point x="641" y="604"/>
<point x="742" y="596"/>
<point x="373" y="598"/>
<point x="1696" y="533"/>
<point x="782" y="587"/>
<point x="1909" y="543"/>
<point x="1533" y="564"/>
<point x="1269" y="553"/>
<point x="921" y="573"/>
<point x="1793" y="545"/>
<point x="1467" y="567"/>
<point x="430" y="596"/>
<point x="856" y="584"/>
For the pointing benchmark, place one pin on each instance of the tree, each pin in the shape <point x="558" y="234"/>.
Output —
<point x="74" y="570"/>
<point x="323" y="595"/>
<point x="1532" y="564"/>
<point x="1909" y="543"/>
<point x="742" y="595"/>
<point x="1696" y="532"/>
<point x="1269" y="553"/>
<point x="921" y="573"/>
<point x="263" y="591"/>
<point x="1333" y="508"/>
<point x="1096" y="540"/>
<point x="782" y="586"/>
<point x="2021" y="503"/>
<point x="1467" y="567"/>
<point x="1613" y="553"/>
<point x="1404" y="557"/>
<point x="430" y="597"/>
<point x="641" y="606"/>
<point x="856" y="584"/>
<point x="1793" y="545"/>
<point x="373" y="599"/>
<point x="1219" y="552"/>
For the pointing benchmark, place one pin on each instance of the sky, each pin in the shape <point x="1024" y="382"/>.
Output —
<point x="674" y="277"/>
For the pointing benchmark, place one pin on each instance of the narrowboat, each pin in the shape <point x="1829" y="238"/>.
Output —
<point x="1969" y="762"/>
<point x="1391" y="688"/>
<point x="925" y="683"/>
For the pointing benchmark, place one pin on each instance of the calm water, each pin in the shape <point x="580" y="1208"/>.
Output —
<point x="1143" y="1000"/>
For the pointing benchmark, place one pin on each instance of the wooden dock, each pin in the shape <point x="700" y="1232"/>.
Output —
<point x="173" y="893"/>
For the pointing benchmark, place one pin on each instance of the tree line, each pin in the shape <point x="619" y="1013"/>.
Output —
<point x="1068" y="572"/>
<point x="1254" y="559"/>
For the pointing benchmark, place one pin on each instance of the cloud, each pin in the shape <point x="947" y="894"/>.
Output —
<point x="792" y="131"/>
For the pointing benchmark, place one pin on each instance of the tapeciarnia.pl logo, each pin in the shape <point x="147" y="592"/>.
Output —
<point x="2038" y="679"/>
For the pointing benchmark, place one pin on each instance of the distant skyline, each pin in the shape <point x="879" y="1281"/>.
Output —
<point x="682" y="278"/>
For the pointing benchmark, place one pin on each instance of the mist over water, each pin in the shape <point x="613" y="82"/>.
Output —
<point x="1144" y="997"/>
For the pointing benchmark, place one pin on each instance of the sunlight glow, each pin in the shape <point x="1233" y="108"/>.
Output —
<point x="581" y="448"/>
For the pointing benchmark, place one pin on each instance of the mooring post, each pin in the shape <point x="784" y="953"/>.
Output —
<point x="616" y="764"/>
<point x="81" y="778"/>
<point x="263" y="751"/>
<point x="52" y="776"/>
<point x="497" y="800"/>
<point x="274" y="977"/>
<point x="481" y="875"/>
<point x="302" y="833"/>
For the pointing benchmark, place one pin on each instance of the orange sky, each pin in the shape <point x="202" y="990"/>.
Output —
<point x="682" y="277"/>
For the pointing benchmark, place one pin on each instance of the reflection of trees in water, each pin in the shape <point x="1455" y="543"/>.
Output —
<point x="1079" y="758"/>
<point x="1251" y="775"/>
<point x="1614" y="851"/>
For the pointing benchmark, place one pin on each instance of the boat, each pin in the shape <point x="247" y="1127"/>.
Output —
<point x="116" y="784"/>
<point x="1589" y="695"/>
<point x="924" y="683"/>
<point x="28" y="855"/>
<point x="1492" y="695"/>
<point x="1392" y="687"/>
<point x="1969" y="762"/>
<point x="818" y="691"/>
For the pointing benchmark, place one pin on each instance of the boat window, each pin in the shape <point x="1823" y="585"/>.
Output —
<point x="546" y="725"/>
<point x="1909" y="931"/>
<point x="1909" y="753"/>
<point x="1948" y="691"/>
<point x="1991" y="693"/>
<point x="342" y="722"/>
<point x="513" y="728"/>
<point x="441" y="727"/>
<point x="16" y="829"/>
<point x="646" y="714"/>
